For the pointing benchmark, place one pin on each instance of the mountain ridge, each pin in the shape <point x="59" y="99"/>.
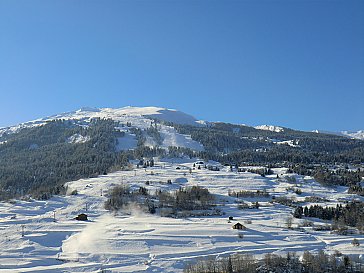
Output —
<point x="349" y="134"/>
<point x="152" y="112"/>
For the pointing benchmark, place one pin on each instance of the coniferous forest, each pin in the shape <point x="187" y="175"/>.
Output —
<point x="40" y="160"/>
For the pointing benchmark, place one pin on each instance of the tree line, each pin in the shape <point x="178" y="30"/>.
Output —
<point x="235" y="144"/>
<point x="184" y="199"/>
<point x="351" y="214"/>
<point x="272" y="263"/>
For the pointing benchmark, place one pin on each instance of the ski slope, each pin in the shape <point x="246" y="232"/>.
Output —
<point x="138" y="117"/>
<point x="271" y="128"/>
<point x="132" y="241"/>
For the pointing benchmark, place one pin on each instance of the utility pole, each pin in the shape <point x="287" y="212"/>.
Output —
<point x="22" y="230"/>
<point x="54" y="216"/>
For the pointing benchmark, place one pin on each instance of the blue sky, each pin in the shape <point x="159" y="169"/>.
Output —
<point x="298" y="64"/>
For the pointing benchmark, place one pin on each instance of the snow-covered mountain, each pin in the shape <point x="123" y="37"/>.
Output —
<point x="121" y="114"/>
<point x="271" y="128"/>
<point x="46" y="236"/>
<point x="357" y="135"/>
<point x="136" y="117"/>
<point x="141" y="117"/>
<point x="351" y="134"/>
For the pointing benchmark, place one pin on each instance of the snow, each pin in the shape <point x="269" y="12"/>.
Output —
<point x="132" y="241"/>
<point x="351" y="134"/>
<point x="77" y="138"/>
<point x="356" y="135"/>
<point x="127" y="142"/>
<point x="175" y="117"/>
<point x="172" y="138"/>
<point x="119" y="114"/>
<point x="292" y="143"/>
<point x="271" y="128"/>
<point x="139" y="117"/>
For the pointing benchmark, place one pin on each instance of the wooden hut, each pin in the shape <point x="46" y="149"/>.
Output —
<point x="239" y="226"/>
<point x="81" y="217"/>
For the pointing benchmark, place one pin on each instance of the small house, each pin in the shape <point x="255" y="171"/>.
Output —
<point x="81" y="217"/>
<point x="239" y="226"/>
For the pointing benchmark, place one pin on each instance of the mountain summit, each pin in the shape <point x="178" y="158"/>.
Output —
<point x="165" y="114"/>
<point x="144" y="115"/>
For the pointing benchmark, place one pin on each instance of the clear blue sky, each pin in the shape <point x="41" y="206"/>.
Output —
<point x="298" y="64"/>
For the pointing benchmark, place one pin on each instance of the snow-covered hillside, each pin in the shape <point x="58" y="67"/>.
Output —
<point x="357" y="135"/>
<point x="351" y="134"/>
<point x="271" y="128"/>
<point x="136" y="117"/>
<point x="141" y="117"/>
<point x="42" y="236"/>
<point x="118" y="114"/>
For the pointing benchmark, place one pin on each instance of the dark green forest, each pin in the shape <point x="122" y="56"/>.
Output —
<point x="237" y="144"/>
<point x="40" y="159"/>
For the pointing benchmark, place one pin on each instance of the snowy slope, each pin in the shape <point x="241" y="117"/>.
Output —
<point x="133" y="241"/>
<point x="77" y="138"/>
<point x="127" y="142"/>
<point x="142" y="116"/>
<point x="356" y="135"/>
<point x="351" y="134"/>
<point x="119" y="114"/>
<point x="271" y="128"/>
<point x="139" y="117"/>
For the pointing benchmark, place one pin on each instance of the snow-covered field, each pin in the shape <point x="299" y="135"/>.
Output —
<point x="133" y="241"/>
